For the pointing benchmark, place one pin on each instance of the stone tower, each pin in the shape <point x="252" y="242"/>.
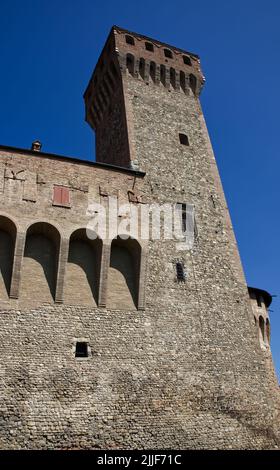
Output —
<point x="114" y="343"/>
<point x="143" y="103"/>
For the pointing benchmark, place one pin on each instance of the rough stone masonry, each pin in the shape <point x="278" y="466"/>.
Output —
<point x="104" y="344"/>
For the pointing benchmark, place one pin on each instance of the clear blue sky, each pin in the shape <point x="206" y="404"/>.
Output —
<point x="48" y="49"/>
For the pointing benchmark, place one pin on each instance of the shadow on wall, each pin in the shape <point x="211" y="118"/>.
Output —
<point x="123" y="278"/>
<point x="7" y="246"/>
<point x="40" y="262"/>
<point x="83" y="269"/>
<point x="40" y="281"/>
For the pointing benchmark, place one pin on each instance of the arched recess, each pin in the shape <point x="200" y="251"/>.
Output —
<point x="173" y="78"/>
<point x="153" y="71"/>
<point x="163" y="75"/>
<point x="142" y="68"/>
<point x="83" y="269"/>
<point x="130" y="63"/>
<point x="124" y="274"/>
<point x="40" y="263"/>
<point x="8" y="234"/>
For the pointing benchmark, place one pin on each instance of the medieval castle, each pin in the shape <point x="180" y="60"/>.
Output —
<point x="115" y="342"/>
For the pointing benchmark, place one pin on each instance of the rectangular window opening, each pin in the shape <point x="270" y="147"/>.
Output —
<point x="184" y="140"/>
<point x="168" y="53"/>
<point x="182" y="209"/>
<point x="187" y="60"/>
<point x="180" y="271"/>
<point x="184" y="217"/>
<point x="129" y="40"/>
<point x="81" y="349"/>
<point x="149" y="46"/>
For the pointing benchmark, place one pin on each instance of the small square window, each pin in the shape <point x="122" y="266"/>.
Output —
<point x="184" y="140"/>
<point x="81" y="349"/>
<point x="149" y="46"/>
<point x="187" y="60"/>
<point x="168" y="53"/>
<point x="129" y="40"/>
<point x="61" y="196"/>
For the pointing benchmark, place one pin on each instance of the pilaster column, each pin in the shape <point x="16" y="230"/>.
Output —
<point x="61" y="270"/>
<point x="16" y="274"/>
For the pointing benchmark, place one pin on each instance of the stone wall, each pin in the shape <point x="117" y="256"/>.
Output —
<point x="183" y="370"/>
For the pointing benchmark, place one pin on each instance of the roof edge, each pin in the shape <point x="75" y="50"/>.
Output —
<point x="267" y="297"/>
<point x="106" y="166"/>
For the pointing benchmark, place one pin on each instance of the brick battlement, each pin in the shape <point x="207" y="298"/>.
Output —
<point x="144" y="58"/>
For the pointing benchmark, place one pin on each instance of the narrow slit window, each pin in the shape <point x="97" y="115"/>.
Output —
<point x="187" y="60"/>
<point x="168" y="53"/>
<point x="184" y="217"/>
<point x="259" y="300"/>
<point x="81" y="349"/>
<point x="149" y="46"/>
<point x="182" y="210"/>
<point x="184" y="140"/>
<point x="129" y="40"/>
<point x="180" y="271"/>
<point x="195" y="229"/>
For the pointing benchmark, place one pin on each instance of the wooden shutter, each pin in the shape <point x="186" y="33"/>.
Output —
<point x="65" y="196"/>
<point x="57" y="195"/>
<point x="61" y="196"/>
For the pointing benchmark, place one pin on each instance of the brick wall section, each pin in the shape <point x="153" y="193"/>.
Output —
<point x="39" y="265"/>
<point x="81" y="281"/>
<point x="87" y="184"/>
<point x="185" y="372"/>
